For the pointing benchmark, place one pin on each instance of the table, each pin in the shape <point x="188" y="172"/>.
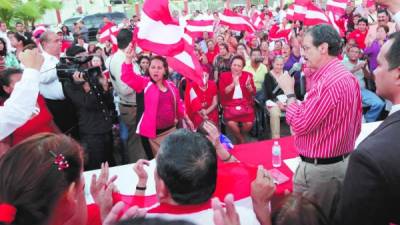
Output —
<point x="253" y="154"/>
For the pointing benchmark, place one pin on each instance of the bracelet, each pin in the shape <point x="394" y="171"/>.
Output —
<point x="227" y="159"/>
<point x="140" y="188"/>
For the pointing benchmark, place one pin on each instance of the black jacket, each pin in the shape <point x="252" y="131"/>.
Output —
<point x="95" y="116"/>
<point x="371" y="191"/>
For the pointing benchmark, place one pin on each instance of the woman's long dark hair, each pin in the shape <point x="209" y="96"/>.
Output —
<point x="165" y="65"/>
<point x="4" y="51"/>
<point x="143" y="57"/>
<point x="32" y="182"/>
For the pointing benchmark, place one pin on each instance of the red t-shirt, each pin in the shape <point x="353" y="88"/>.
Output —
<point x="210" y="56"/>
<point x="359" y="37"/>
<point x="165" y="110"/>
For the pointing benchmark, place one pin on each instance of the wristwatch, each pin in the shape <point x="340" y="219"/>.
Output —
<point x="291" y="96"/>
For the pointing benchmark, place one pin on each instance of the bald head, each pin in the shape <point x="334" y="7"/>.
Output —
<point x="51" y="43"/>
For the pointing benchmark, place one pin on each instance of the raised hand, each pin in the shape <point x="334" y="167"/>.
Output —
<point x="102" y="188"/>
<point x="227" y="216"/>
<point x="112" y="216"/>
<point x="31" y="59"/>
<point x="140" y="172"/>
<point x="129" y="54"/>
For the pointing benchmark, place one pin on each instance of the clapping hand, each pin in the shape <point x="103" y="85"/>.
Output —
<point x="132" y="212"/>
<point x="227" y="216"/>
<point x="213" y="133"/>
<point x="262" y="190"/>
<point x="236" y="80"/>
<point x="248" y="84"/>
<point x="102" y="188"/>
<point x="263" y="187"/>
<point x="141" y="172"/>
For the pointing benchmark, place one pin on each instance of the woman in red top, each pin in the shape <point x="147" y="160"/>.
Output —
<point x="237" y="90"/>
<point x="41" y="120"/>
<point x="201" y="101"/>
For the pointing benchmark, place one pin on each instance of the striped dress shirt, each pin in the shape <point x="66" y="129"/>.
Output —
<point x="328" y="122"/>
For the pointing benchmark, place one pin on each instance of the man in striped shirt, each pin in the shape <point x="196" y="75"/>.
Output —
<point x="328" y="122"/>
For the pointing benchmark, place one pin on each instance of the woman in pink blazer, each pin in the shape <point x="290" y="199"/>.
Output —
<point x="163" y="107"/>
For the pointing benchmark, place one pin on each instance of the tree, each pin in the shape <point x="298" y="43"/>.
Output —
<point x="27" y="11"/>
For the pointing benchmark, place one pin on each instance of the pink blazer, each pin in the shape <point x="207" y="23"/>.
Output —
<point x="147" y="124"/>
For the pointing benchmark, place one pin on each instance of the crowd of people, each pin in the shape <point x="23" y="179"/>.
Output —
<point x="70" y="105"/>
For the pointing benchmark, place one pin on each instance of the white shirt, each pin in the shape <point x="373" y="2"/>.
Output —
<point x="114" y="65"/>
<point x="394" y="109"/>
<point x="50" y="87"/>
<point x="20" y="106"/>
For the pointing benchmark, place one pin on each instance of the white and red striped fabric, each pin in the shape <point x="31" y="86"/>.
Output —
<point x="336" y="23"/>
<point x="290" y="12"/>
<point x="278" y="32"/>
<point x="196" y="28"/>
<point x="109" y="32"/>
<point x="337" y="7"/>
<point x="333" y="129"/>
<point x="158" y="31"/>
<point x="258" y="20"/>
<point x="236" y="22"/>
<point x="315" y="16"/>
<point x="298" y="10"/>
<point x="186" y="62"/>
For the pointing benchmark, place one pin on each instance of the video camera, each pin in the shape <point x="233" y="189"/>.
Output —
<point x="69" y="65"/>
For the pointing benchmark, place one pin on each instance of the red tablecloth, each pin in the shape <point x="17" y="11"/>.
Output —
<point x="257" y="153"/>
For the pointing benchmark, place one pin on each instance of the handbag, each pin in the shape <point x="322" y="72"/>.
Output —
<point x="237" y="111"/>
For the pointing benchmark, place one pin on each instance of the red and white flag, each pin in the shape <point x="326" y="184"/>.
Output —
<point x="186" y="62"/>
<point x="236" y="22"/>
<point x="290" y="12"/>
<point x="158" y="31"/>
<point x="196" y="28"/>
<point x="258" y="20"/>
<point x="315" y="16"/>
<point x="337" y="7"/>
<point x="298" y="10"/>
<point x="109" y="32"/>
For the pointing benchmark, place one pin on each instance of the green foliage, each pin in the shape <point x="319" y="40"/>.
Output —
<point x="27" y="11"/>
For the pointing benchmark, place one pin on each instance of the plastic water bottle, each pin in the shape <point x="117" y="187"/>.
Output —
<point x="276" y="155"/>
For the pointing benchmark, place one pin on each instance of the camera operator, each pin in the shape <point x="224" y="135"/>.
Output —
<point x="93" y="99"/>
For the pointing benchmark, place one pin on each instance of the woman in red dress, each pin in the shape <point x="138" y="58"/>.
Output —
<point x="201" y="101"/>
<point x="237" y="90"/>
<point x="41" y="120"/>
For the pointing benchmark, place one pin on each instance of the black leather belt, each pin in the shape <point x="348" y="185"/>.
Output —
<point x="126" y="105"/>
<point x="319" y="161"/>
<point x="160" y="131"/>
